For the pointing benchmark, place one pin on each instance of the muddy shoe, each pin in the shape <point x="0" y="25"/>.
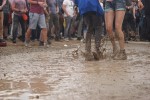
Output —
<point x="96" y="55"/>
<point x="3" y="43"/>
<point x="2" y="40"/>
<point x="27" y="44"/>
<point x="49" y="42"/>
<point x="89" y="57"/>
<point x="41" y="43"/>
<point x="14" y="40"/>
<point x="46" y="45"/>
<point x="115" y="52"/>
<point x="121" y="55"/>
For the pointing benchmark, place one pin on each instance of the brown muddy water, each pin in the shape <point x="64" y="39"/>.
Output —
<point x="54" y="74"/>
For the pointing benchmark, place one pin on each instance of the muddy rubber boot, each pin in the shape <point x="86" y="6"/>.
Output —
<point x="3" y="43"/>
<point x="88" y="54"/>
<point x="96" y="55"/>
<point x="89" y="57"/>
<point x="121" y="55"/>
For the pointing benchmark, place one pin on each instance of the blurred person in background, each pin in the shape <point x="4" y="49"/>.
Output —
<point x="2" y="3"/>
<point x="68" y="8"/>
<point x="54" y="18"/>
<point x="19" y="8"/>
<point x="37" y="17"/>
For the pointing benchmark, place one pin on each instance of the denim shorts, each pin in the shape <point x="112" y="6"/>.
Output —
<point x="37" y="19"/>
<point x="115" y="5"/>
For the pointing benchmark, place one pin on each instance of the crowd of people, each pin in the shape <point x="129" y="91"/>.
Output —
<point x="44" y="20"/>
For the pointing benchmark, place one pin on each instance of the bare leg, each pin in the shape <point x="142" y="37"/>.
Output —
<point x="118" y="27"/>
<point x="109" y="18"/>
<point x="44" y="35"/>
<point x="28" y="34"/>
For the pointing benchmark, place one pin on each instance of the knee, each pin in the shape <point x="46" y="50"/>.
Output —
<point x="118" y="28"/>
<point x="109" y="30"/>
<point x="44" y="29"/>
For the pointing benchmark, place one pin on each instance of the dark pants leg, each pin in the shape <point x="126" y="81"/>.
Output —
<point x="148" y="27"/>
<point x="67" y="28"/>
<point x="15" y="26"/>
<point x="56" y="25"/>
<point x="93" y="22"/>
<point x="54" y="20"/>
<point x="80" y="27"/>
<point x="22" y="23"/>
<point x="61" y="26"/>
<point x="18" y="19"/>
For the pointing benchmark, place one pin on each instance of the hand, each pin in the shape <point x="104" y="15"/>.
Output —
<point x="44" y="4"/>
<point x="68" y="15"/>
<point x="134" y="17"/>
<point x="127" y="7"/>
<point x="140" y="5"/>
<point x="41" y="4"/>
<point x="23" y="11"/>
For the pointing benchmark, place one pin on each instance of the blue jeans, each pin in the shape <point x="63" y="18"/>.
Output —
<point x="16" y="20"/>
<point x="68" y="27"/>
<point x="115" y="5"/>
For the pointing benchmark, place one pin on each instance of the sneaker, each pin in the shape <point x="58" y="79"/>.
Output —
<point x="3" y="43"/>
<point x="27" y="44"/>
<point x="79" y="38"/>
<point x="57" y="39"/>
<point x="9" y="37"/>
<point x="49" y="42"/>
<point x="66" y="39"/>
<point x="46" y="45"/>
<point x="14" y="41"/>
<point x="121" y="55"/>
<point x="89" y="57"/>
<point x="41" y="43"/>
<point x="82" y="40"/>
<point x="21" y="38"/>
<point x="2" y="40"/>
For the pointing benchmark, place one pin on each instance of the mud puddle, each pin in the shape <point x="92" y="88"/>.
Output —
<point x="57" y="75"/>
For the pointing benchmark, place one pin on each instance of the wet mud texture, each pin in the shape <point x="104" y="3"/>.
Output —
<point x="54" y="74"/>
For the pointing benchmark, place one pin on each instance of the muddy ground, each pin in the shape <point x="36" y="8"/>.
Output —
<point x="54" y="74"/>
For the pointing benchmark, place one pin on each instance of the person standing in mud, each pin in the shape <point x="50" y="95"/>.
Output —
<point x="115" y="11"/>
<point x="147" y="18"/>
<point x="92" y="15"/>
<point x="37" y="17"/>
<point x="2" y="3"/>
<point x="54" y="18"/>
<point x="19" y="8"/>
<point x="68" y="8"/>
